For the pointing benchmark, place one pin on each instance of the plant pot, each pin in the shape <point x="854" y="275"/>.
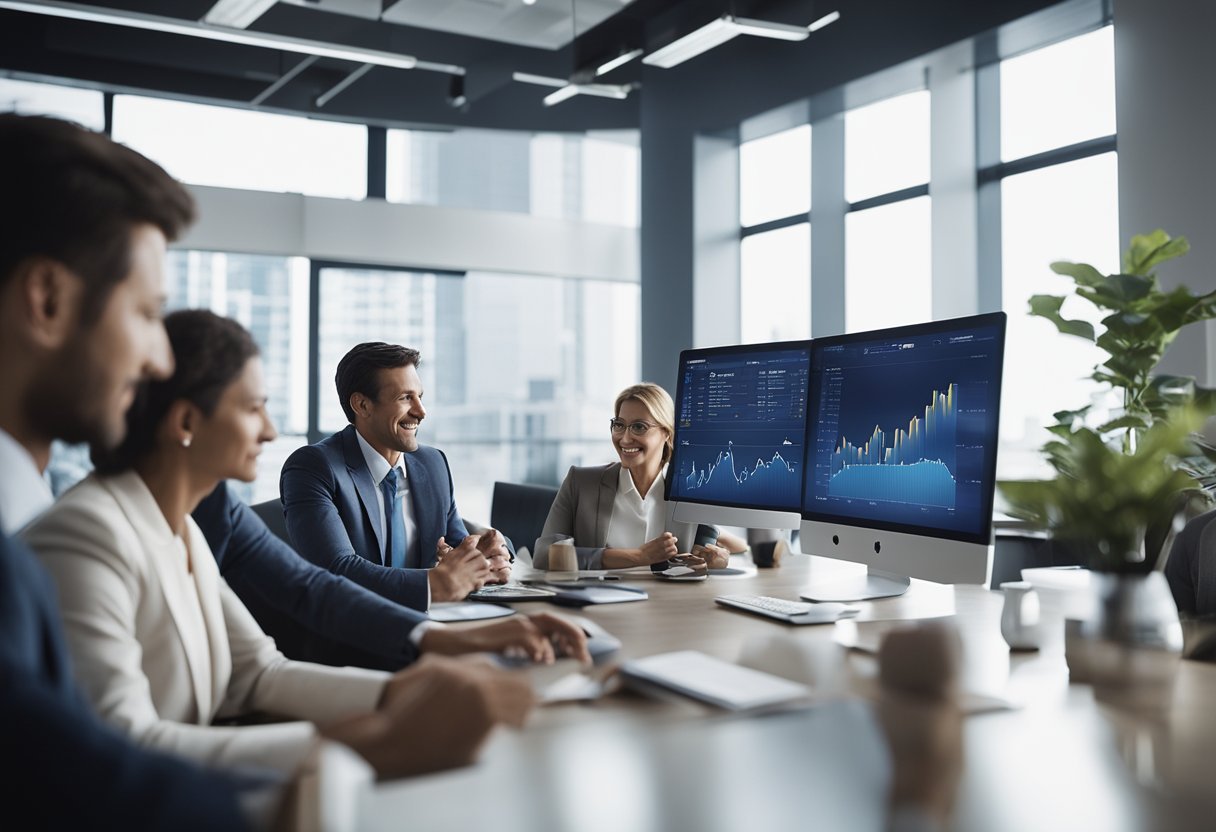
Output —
<point x="1130" y="644"/>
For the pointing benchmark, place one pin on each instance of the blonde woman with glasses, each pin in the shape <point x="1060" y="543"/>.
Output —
<point x="616" y="513"/>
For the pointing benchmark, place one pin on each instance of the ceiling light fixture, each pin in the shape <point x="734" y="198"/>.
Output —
<point x="566" y="89"/>
<point x="237" y="13"/>
<point x="725" y="28"/>
<point x="831" y="17"/>
<point x="173" y="26"/>
<point x="765" y="29"/>
<point x="617" y="62"/>
<point x="617" y="91"/>
<point x="701" y="40"/>
<point x="542" y="80"/>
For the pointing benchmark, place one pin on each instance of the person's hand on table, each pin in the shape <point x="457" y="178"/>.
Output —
<point x="540" y="636"/>
<point x="498" y="557"/>
<point x="660" y="549"/>
<point x="458" y="570"/>
<point x="435" y="715"/>
<point x="714" y="556"/>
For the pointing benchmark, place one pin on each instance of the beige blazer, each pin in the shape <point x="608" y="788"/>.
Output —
<point x="162" y="650"/>
<point x="583" y="509"/>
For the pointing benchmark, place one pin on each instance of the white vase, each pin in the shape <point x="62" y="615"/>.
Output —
<point x="1130" y="645"/>
<point x="1020" y="618"/>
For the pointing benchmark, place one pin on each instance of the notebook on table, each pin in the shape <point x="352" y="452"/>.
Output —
<point x="712" y="680"/>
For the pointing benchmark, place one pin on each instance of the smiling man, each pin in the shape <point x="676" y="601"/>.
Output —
<point x="372" y="503"/>
<point x="81" y="288"/>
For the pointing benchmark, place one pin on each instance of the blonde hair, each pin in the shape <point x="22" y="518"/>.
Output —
<point x="658" y="404"/>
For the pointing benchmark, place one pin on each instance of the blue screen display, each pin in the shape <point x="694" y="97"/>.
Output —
<point x="903" y="426"/>
<point x="741" y="425"/>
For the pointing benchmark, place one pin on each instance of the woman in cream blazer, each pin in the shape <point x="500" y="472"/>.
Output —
<point x="616" y="513"/>
<point x="162" y="646"/>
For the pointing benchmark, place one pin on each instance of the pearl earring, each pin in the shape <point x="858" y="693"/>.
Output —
<point x="186" y="442"/>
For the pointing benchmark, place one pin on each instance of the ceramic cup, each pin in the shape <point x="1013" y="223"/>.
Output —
<point x="563" y="560"/>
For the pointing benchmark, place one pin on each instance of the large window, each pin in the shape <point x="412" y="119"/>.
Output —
<point x="520" y="372"/>
<point x="230" y="148"/>
<point x="887" y="268"/>
<point x="775" y="251"/>
<point x="886" y="146"/>
<point x="1058" y="95"/>
<point x="591" y="177"/>
<point x="269" y="297"/>
<point x="888" y="271"/>
<point x="1061" y="203"/>
<point x="1063" y="212"/>
<point x="775" y="285"/>
<point x="775" y="176"/>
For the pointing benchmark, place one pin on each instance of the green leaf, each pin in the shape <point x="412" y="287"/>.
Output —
<point x="1147" y="250"/>
<point x="1133" y="422"/>
<point x="1071" y="417"/>
<point x="1118" y="290"/>
<point x="1174" y="310"/>
<point x="1048" y="306"/>
<point x="1083" y="273"/>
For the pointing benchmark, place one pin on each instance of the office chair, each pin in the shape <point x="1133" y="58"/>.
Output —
<point x="519" y="511"/>
<point x="271" y="512"/>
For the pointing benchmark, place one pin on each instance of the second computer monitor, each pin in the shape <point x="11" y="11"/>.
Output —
<point x="740" y="428"/>
<point x="901" y="450"/>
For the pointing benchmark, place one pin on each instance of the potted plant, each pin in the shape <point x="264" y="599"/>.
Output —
<point x="1126" y="480"/>
<point x="1148" y="489"/>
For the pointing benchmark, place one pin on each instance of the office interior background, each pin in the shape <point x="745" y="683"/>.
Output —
<point x="908" y="162"/>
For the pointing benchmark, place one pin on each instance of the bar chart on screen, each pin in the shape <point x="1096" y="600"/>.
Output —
<point x="915" y="463"/>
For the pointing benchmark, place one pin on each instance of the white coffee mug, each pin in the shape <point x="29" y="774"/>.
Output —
<point x="563" y="560"/>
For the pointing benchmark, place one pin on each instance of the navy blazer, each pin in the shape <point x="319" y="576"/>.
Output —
<point x="64" y="769"/>
<point x="313" y="615"/>
<point x="334" y="520"/>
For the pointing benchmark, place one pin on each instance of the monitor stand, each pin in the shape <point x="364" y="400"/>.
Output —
<point x="874" y="584"/>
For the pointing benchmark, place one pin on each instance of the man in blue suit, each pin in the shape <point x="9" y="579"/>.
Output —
<point x="374" y="505"/>
<point x="314" y="615"/>
<point x="85" y="223"/>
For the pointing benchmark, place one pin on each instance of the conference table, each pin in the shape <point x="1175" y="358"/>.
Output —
<point x="1040" y="752"/>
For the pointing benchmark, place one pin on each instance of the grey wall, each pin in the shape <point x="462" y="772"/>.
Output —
<point x="1164" y="67"/>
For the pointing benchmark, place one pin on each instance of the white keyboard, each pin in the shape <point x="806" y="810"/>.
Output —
<point x="792" y="612"/>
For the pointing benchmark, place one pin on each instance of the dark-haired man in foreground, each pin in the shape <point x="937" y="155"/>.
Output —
<point x="85" y="224"/>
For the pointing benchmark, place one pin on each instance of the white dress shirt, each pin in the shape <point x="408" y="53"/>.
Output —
<point x="24" y="492"/>
<point x="636" y="518"/>
<point x="378" y="467"/>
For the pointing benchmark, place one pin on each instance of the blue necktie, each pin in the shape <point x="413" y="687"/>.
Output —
<point x="394" y="520"/>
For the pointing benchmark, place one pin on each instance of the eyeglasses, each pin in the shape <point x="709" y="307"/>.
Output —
<point x="638" y="428"/>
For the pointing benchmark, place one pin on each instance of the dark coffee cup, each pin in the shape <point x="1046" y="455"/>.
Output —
<point x="768" y="554"/>
<point x="706" y="535"/>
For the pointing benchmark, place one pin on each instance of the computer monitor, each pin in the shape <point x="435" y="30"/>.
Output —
<point x="901" y="454"/>
<point x="740" y="427"/>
